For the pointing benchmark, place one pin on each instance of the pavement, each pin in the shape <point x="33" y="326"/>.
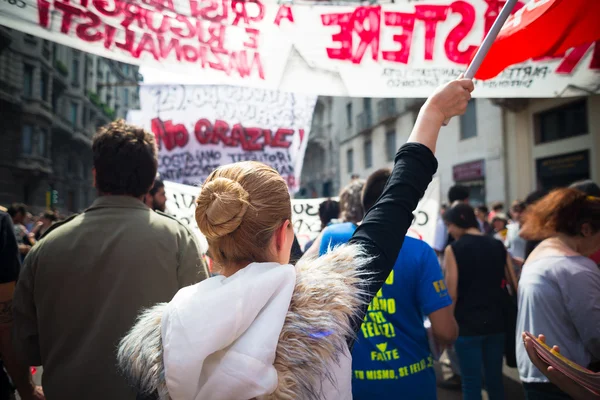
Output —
<point x="512" y="385"/>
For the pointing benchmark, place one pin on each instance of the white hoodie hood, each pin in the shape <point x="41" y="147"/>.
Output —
<point x="220" y="336"/>
<point x="269" y="332"/>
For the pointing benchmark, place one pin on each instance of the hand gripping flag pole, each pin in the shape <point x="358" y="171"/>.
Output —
<point x="488" y="41"/>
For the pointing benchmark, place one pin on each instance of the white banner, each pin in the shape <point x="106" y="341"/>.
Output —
<point x="306" y="220"/>
<point x="199" y="128"/>
<point x="307" y="224"/>
<point x="426" y="214"/>
<point x="181" y="204"/>
<point x="395" y="50"/>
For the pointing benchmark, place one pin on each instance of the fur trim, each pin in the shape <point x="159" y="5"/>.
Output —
<point x="140" y="354"/>
<point x="329" y="293"/>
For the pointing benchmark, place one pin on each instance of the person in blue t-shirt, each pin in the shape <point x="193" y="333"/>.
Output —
<point x="392" y="356"/>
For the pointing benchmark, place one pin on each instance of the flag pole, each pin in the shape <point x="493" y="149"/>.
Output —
<point x="489" y="38"/>
<point x="488" y="41"/>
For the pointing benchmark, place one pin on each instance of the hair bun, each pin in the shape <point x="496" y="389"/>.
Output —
<point x="221" y="206"/>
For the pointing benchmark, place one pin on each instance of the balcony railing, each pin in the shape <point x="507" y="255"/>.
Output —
<point x="386" y="109"/>
<point x="364" y="121"/>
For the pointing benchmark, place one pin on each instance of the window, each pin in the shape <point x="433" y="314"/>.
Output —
<point x="350" y="161"/>
<point x="367" y="107"/>
<point x="126" y="97"/>
<point x="126" y="69"/>
<point x="41" y="142"/>
<point x="44" y="85"/>
<point x="562" y="123"/>
<point x="28" y="80"/>
<point x="368" y="152"/>
<point x="349" y="113"/>
<point x="75" y="72"/>
<point x="390" y="145"/>
<point x="74" y="112"/>
<point x="468" y="122"/>
<point x="27" y="139"/>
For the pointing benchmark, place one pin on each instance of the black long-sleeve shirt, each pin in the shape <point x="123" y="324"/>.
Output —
<point x="384" y="227"/>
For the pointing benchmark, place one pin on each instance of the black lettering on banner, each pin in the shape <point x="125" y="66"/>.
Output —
<point x="421" y="218"/>
<point x="18" y="3"/>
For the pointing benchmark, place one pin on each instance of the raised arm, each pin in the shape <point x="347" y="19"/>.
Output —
<point x="385" y="225"/>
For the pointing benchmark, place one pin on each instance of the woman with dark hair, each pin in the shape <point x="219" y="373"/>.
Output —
<point x="559" y="290"/>
<point x="476" y="268"/>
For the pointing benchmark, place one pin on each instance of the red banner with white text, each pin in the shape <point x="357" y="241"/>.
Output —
<point x="397" y="50"/>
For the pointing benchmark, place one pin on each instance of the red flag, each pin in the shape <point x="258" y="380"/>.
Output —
<point x="543" y="28"/>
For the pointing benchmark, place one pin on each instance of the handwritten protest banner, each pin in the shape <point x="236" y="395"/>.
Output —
<point x="181" y="203"/>
<point x="305" y="219"/>
<point x="394" y="50"/>
<point x="199" y="128"/>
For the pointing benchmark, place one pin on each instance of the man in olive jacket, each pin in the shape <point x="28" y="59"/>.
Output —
<point x="83" y="285"/>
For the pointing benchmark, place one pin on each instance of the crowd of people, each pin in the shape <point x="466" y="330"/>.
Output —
<point x="117" y="302"/>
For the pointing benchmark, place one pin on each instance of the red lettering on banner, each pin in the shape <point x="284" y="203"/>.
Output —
<point x="68" y="12"/>
<point x="460" y="31"/>
<point x="369" y="33"/>
<point x="83" y="29"/>
<point x="280" y="138"/>
<point x="237" y="136"/>
<point x="43" y="13"/>
<point x="407" y="22"/>
<point x="133" y="12"/>
<point x="252" y="42"/>
<point x="146" y="44"/>
<point x="493" y="9"/>
<point x="102" y="7"/>
<point x="215" y="11"/>
<point x="344" y="36"/>
<point x="284" y="12"/>
<point x="128" y="44"/>
<point x="160" y="4"/>
<point x="165" y="49"/>
<point x="431" y="15"/>
<point x="249" y="139"/>
<point x="165" y="22"/>
<point x="220" y="130"/>
<point x="203" y="130"/>
<point x="574" y="57"/>
<point x="267" y="136"/>
<point x="365" y="21"/>
<point x="187" y="30"/>
<point x="168" y="134"/>
<point x="253" y="135"/>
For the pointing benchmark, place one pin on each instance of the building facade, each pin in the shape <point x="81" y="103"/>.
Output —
<point x="52" y="100"/>
<point x="501" y="149"/>
<point x="551" y="143"/>
<point x="320" y="173"/>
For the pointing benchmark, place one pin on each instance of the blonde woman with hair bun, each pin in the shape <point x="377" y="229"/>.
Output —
<point x="265" y="329"/>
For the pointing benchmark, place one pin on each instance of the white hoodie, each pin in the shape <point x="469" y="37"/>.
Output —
<point x="270" y="331"/>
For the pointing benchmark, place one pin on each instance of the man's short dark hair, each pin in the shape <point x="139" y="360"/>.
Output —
<point x="16" y="208"/>
<point x="124" y="159"/>
<point x="158" y="183"/>
<point x="374" y="187"/>
<point x="483" y="209"/>
<point x="49" y="215"/>
<point x="497" y="206"/>
<point x="458" y="193"/>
